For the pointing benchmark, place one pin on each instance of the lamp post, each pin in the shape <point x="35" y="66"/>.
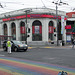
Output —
<point x="57" y="23"/>
<point x="27" y="11"/>
<point x="56" y="3"/>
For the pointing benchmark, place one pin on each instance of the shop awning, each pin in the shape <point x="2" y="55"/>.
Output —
<point x="71" y="19"/>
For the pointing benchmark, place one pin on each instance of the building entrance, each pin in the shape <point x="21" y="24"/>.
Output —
<point x="36" y="31"/>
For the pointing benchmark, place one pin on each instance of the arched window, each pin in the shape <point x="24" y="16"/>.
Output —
<point x="5" y="29"/>
<point x="36" y="31"/>
<point x="13" y="31"/>
<point x="22" y="31"/>
<point x="51" y="29"/>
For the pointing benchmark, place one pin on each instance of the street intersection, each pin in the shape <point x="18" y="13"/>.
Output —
<point x="38" y="61"/>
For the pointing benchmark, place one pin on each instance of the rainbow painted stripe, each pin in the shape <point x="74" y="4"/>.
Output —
<point x="15" y="66"/>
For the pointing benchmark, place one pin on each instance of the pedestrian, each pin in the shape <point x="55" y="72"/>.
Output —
<point x="9" y="46"/>
<point x="73" y="41"/>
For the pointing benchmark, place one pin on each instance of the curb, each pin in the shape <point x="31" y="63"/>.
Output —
<point x="50" y="47"/>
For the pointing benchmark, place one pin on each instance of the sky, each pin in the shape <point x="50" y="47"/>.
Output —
<point x="11" y="5"/>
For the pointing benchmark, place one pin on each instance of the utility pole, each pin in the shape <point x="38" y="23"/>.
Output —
<point x="57" y="24"/>
<point x="58" y="3"/>
<point x="26" y="27"/>
<point x="26" y="11"/>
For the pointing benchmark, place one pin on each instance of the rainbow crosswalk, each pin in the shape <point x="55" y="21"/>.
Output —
<point x="16" y="66"/>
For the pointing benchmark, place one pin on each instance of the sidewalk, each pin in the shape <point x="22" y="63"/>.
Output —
<point x="49" y="46"/>
<point x="45" y="46"/>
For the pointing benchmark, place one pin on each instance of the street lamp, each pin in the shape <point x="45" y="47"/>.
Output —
<point x="27" y="11"/>
<point x="58" y="3"/>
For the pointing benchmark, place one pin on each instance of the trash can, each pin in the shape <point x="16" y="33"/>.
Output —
<point x="63" y="43"/>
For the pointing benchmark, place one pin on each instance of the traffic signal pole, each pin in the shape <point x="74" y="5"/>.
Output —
<point x="57" y="24"/>
<point x="26" y="27"/>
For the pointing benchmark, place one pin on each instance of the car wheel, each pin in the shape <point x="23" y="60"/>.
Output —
<point x="15" y="49"/>
<point x="5" y="49"/>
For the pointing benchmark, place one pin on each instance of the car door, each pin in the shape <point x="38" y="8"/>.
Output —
<point x="12" y="47"/>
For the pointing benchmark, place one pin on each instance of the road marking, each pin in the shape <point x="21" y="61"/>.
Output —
<point x="31" y="47"/>
<point x="17" y="66"/>
<point x="2" y="55"/>
<point x="39" y="47"/>
<point x="47" y="47"/>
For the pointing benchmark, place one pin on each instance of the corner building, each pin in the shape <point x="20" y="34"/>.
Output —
<point x="41" y="21"/>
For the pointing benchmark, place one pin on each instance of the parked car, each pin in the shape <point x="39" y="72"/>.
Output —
<point x="16" y="46"/>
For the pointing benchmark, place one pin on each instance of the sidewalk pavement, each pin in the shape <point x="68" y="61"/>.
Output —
<point x="45" y="46"/>
<point x="49" y="46"/>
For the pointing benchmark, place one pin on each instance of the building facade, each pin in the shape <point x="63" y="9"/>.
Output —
<point x="70" y="26"/>
<point x="41" y="25"/>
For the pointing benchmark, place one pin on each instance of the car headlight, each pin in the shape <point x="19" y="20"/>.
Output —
<point x="25" y="45"/>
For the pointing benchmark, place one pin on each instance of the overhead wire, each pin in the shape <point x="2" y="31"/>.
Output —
<point x="43" y="3"/>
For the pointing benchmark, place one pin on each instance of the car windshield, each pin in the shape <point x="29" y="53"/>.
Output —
<point x="17" y="42"/>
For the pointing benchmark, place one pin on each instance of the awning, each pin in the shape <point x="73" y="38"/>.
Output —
<point x="71" y="19"/>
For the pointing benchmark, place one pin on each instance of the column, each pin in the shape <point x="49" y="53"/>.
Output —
<point x="9" y="28"/>
<point x="17" y="30"/>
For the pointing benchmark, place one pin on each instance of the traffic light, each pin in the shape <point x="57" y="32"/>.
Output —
<point x="28" y="35"/>
<point x="54" y="29"/>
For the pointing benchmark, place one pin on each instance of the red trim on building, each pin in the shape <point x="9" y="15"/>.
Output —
<point x="32" y="16"/>
<point x="70" y="14"/>
<point x="70" y="32"/>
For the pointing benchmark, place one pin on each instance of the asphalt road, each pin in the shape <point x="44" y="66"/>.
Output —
<point x="58" y="56"/>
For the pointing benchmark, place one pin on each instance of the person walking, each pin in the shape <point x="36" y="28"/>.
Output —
<point x="9" y="46"/>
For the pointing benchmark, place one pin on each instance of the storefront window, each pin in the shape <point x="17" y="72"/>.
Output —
<point x="36" y="31"/>
<point x="13" y="31"/>
<point x="51" y="30"/>
<point x="59" y="31"/>
<point x="5" y="30"/>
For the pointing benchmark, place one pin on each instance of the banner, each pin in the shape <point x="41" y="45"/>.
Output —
<point x="51" y="29"/>
<point x="22" y="30"/>
<point x="68" y="27"/>
<point x="37" y="30"/>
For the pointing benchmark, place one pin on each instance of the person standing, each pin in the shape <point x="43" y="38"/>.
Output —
<point x="73" y="41"/>
<point x="9" y="46"/>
